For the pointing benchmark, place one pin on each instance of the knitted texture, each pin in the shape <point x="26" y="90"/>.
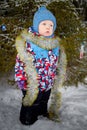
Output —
<point x="43" y="14"/>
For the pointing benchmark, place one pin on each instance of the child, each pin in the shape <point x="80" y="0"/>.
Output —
<point x="36" y="65"/>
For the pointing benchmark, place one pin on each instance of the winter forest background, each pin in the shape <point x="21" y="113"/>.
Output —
<point x="72" y="29"/>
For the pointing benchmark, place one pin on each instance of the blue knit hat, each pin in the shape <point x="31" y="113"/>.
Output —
<point x="43" y="14"/>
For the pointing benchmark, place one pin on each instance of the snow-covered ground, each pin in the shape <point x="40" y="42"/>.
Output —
<point x="73" y="112"/>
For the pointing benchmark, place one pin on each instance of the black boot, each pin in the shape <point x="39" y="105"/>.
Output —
<point x="27" y="115"/>
<point x="43" y="109"/>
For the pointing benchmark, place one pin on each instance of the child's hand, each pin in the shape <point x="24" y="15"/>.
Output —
<point x="22" y="84"/>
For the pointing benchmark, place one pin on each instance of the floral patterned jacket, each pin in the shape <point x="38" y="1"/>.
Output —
<point x="36" y="65"/>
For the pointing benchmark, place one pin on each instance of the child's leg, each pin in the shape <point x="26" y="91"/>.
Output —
<point x="28" y="114"/>
<point x="42" y="101"/>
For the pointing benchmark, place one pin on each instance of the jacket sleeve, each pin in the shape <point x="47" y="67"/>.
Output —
<point x="20" y="75"/>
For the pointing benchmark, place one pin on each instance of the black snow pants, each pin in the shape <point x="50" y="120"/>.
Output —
<point x="29" y="114"/>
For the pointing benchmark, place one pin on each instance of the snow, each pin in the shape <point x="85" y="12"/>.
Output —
<point x="73" y="111"/>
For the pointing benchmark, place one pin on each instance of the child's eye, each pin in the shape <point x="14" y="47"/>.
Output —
<point x="51" y="25"/>
<point x="44" y="23"/>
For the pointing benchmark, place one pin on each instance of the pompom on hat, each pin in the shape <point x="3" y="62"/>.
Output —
<point x="43" y="14"/>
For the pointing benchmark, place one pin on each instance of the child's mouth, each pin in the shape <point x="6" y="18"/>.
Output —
<point x="47" y="31"/>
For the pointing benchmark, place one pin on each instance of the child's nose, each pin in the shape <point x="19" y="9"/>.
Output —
<point x="48" y="27"/>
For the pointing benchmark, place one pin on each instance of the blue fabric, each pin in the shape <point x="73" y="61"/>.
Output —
<point x="43" y="14"/>
<point x="42" y="53"/>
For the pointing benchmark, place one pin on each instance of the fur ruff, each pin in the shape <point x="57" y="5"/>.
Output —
<point x="45" y="43"/>
<point x="54" y="102"/>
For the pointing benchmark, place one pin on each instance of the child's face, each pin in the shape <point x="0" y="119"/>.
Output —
<point x="46" y="28"/>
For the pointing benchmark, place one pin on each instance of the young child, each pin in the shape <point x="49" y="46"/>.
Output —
<point x="36" y="65"/>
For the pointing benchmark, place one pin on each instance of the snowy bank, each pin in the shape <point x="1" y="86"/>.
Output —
<point x="73" y="112"/>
